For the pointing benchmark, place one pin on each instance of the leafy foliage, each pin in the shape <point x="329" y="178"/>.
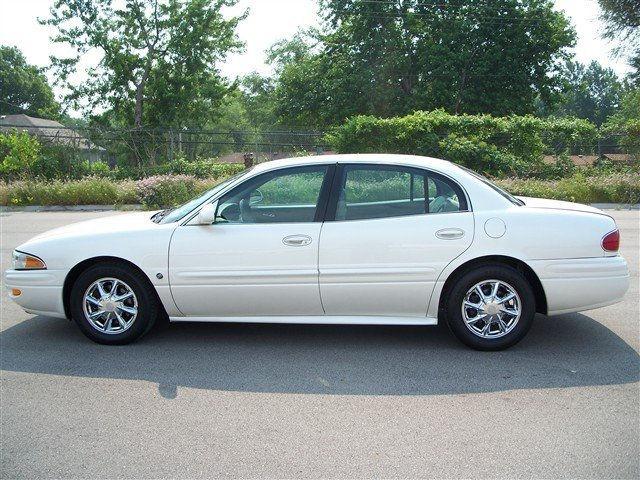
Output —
<point x="18" y="153"/>
<point x="626" y="123"/>
<point x="393" y="57"/>
<point x="622" y="20"/>
<point x="88" y="191"/>
<point x="22" y="157"/>
<point x="614" y="188"/>
<point x="159" y="57"/>
<point x="589" y="91"/>
<point x="23" y="87"/>
<point x="496" y="146"/>
<point x="163" y="191"/>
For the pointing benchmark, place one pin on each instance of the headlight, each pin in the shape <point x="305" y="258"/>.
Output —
<point x="24" y="261"/>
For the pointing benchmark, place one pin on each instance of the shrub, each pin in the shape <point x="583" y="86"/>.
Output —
<point x="204" y="168"/>
<point x="18" y="153"/>
<point x="201" y="168"/>
<point x="616" y="188"/>
<point x="88" y="191"/>
<point x="99" y="169"/>
<point x="495" y="145"/>
<point x="164" y="191"/>
<point x="480" y="156"/>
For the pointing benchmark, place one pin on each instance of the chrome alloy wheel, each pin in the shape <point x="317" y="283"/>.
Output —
<point x="110" y="305"/>
<point x="491" y="309"/>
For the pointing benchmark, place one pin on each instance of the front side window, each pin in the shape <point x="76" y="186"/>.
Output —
<point x="368" y="192"/>
<point x="282" y="196"/>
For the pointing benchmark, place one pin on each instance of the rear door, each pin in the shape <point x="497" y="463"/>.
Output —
<point x="390" y="231"/>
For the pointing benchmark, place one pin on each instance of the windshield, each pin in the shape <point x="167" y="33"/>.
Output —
<point x="487" y="182"/>
<point x="173" y="215"/>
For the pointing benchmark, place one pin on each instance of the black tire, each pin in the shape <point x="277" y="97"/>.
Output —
<point x="459" y="290"/>
<point x="148" y="308"/>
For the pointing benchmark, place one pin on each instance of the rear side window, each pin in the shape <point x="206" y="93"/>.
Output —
<point x="368" y="192"/>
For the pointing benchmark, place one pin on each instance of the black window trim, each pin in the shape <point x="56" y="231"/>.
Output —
<point x="323" y="197"/>
<point x="339" y="176"/>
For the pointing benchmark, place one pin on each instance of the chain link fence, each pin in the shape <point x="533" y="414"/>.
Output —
<point x="154" y="146"/>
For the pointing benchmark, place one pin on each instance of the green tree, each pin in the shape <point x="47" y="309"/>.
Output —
<point x="622" y="20"/>
<point x="625" y="123"/>
<point x="23" y="87"/>
<point x="158" y="57"/>
<point x="590" y="91"/>
<point x="392" y="57"/>
<point x="257" y="96"/>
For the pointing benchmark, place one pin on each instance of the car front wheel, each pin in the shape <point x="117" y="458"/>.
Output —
<point x="113" y="304"/>
<point x="491" y="307"/>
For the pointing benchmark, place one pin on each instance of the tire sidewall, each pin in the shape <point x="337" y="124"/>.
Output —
<point x="147" y="307"/>
<point x="494" y="272"/>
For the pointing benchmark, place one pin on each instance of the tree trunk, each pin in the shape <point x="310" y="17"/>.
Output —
<point x="137" y="114"/>
<point x="137" y="118"/>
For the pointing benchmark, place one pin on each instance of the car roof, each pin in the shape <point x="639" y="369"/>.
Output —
<point x="376" y="158"/>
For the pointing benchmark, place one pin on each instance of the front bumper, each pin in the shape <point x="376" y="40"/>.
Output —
<point x="574" y="285"/>
<point x="41" y="291"/>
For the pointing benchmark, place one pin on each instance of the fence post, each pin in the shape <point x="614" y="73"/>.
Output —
<point x="171" y="145"/>
<point x="599" y="147"/>
<point x="248" y="160"/>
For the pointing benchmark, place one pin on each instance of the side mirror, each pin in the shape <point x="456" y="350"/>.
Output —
<point x="256" y="197"/>
<point x="207" y="214"/>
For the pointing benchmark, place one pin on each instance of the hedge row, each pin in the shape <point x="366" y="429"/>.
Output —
<point x="496" y="146"/>
<point x="22" y="156"/>
<point x="614" y="188"/>
<point x="167" y="191"/>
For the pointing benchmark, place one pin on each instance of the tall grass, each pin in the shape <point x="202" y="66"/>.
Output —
<point x="168" y="191"/>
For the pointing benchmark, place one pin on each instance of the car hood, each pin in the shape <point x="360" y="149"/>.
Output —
<point x="115" y="223"/>
<point x="559" y="205"/>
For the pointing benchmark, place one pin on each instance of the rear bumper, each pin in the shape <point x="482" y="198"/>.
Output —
<point x="41" y="291"/>
<point x="573" y="285"/>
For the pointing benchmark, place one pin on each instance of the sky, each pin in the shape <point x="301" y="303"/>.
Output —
<point x="268" y="22"/>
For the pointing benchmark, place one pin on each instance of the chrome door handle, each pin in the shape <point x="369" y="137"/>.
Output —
<point x="297" y="240"/>
<point x="450" y="233"/>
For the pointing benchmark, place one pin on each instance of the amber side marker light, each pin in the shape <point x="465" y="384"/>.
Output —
<point x="35" y="263"/>
<point x="16" y="292"/>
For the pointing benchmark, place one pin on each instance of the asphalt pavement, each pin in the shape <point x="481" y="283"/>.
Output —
<point x="228" y="400"/>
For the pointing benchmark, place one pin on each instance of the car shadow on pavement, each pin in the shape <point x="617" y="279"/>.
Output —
<point x="566" y="351"/>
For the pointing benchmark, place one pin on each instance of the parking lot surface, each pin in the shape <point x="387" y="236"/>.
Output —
<point x="227" y="400"/>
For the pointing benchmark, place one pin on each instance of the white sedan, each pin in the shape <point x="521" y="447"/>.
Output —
<point x="352" y="239"/>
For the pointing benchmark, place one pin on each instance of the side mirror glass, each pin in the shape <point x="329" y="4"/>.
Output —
<point x="207" y="214"/>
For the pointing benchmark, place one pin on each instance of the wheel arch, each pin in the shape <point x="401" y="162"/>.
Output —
<point x="526" y="270"/>
<point x="77" y="270"/>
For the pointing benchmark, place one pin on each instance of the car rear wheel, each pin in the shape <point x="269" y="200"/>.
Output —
<point x="491" y="307"/>
<point x="113" y="304"/>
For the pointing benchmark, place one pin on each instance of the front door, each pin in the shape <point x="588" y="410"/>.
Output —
<point x="260" y="257"/>
<point x="390" y="231"/>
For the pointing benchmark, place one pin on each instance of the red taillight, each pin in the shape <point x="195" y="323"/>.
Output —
<point x="611" y="241"/>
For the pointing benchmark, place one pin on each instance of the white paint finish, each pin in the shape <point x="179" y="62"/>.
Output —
<point x="132" y="237"/>
<point x="578" y="294"/>
<point x="495" y="228"/>
<point x="387" y="266"/>
<point x="583" y="283"/>
<point x="40" y="300"/>
<point x="245" y="269"/>
<point x="317" y="320"/>
<point x="580" y="267"/>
